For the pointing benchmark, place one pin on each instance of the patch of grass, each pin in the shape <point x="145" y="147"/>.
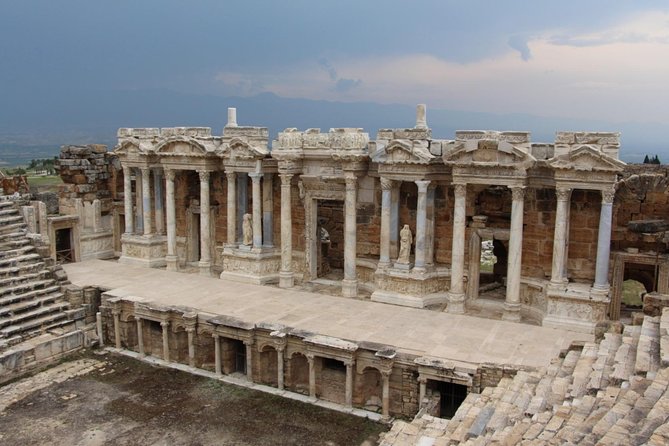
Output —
<point x="631" y="293"/>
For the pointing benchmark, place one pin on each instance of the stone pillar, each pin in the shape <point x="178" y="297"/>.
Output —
<point x="456" y="295"/>
<point x="514" y="268"/>
<point x="171" y="258"/>
<point x="394" y="219"/>
<point x="279" y="367"/>
<point x="604" y="242"/>
<point x="158" y="200"/>
<point x="139" y="217"/>
<point x="98" y="327"/>
<point x="232" y="208"/>
<point x="349" y="383"/>
<point x="267" y="211"/>
<point x="286" y="274"/>
<point x="140" y="336"/>
<point x="429" y="234"/>
<point x="558" y="276"/>
<point x="386" y="203"/>
<point x="257" y="210"/>
<point x="312" y="376"/>
<point x="385" y="395"/>
<point x="127" y="201"/>
<point x="350" y="282"/>
<point x="166" y="339"/>
<point x="117" y="328"/>
<point x="421" y="225"/>
<point x="242" y="202"/>
<point x="146" y="200"/>
<point x="191" y="346"/>
<point x="205" y="219"/>
<point x="422" y="388"/>
<point x="249" y="360"/>
<point x="217" y="353"/>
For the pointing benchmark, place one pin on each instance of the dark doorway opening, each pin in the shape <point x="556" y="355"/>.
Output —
<point x="64" y="251"/>
<point x="451" y="396"/>
<point x="239" y="352"/>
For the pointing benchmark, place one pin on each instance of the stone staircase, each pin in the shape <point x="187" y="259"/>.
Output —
<point x="615" y="392"/>
<point x="31" y="300"/>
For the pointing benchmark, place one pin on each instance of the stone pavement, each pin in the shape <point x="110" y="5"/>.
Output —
<point x="457" y="338"/>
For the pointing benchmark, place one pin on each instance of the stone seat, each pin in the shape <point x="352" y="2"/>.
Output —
<point x="19" y="234"/>
<point x="15" y="243"/>
<point x="24" y="305"/>
<point x="35" y="284"/>
<point x="21" y="269"/>
<point x="35" y="313"/>
<point x="664" y="337"/>
<point x="31" y="326"/>
<point x="9" y="299"/>
<point x="16" y="251"/>
<point x="648" y="349"/>
<point x="8" y="220"/>
<point x="24" y="278"/>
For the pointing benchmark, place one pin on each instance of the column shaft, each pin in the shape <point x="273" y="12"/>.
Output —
<point x="191" y="346"/>
<point x="117" y="329"/>
<point x="385" y="396"/>
<point x="349" y="384"/>
<point x="604" y="241"/>
<point x="312" y="377"/>
<point x="268" y="210"/>
<point x="205" y="230"/>
<point x="422" y="389"/>
<point x="350" y="282"/>
<point x="140" y="336"/>
<point x="279" y="368"/>
<point x="394" y="219"/>
<point x="560" y="236"/>
<point x="217" y="354"/>
<point x="257" y="210"/>
<point x="249" y="361"/>
<point x="514" y="268"/>
<point x="171" y="259"/>
<point x="127" y="201"/>
<point x="166" y="340"/>
<point x="139" y="218"/>
<point x="386" y="201"/>
<point x="421" y="225"/>
<point x="232" y="208"/>
<point x="286" y="274"/>
<point x="158" y="201"/>
<point x="146" y="200"/>
<point x="456" y="295"/>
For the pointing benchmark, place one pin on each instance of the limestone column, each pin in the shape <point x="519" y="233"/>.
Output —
<point x="256" y="198"/>
<point x="386" y="203"/>
<point x="139" y="218"/>
<point x="166" y="340"/>
<point x="350" y="282"/>
<point x="394" y="219"/>
<point x="232" y="208"/>
<point x="456" y="295"/>
<point x="249" y="360"/>
<point x="279" y="367"/>
<point x="117" y="328"/>
<point x="422" y="389"/>
<point x="158" y="201"/>
<point x="191" y="346"/>
<point x="171" y="258"/>
<point x="267" y="211"/>
<point x="604" y="241"/>
<point x="349" y="383"/>
<point x="217" y="353"/>
<point x="558" y="276"/>
<point x="385" y="395"/>
<point x="429" y="237"/>
<point x="127" y="201"/>
<point x="514" y="268"/>
<point x="421" y="225"/>
<point x="312" y="376"/>
<point x="286" y="274"/>
<point x="140" y="337"/>
<point x="242" y="201"/>
<point x="146" y="200"/>
<point x="205" y="219"/>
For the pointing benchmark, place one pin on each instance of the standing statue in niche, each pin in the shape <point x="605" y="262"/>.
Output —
<point x="247" y="230"/>
<point x="406" y="239"/>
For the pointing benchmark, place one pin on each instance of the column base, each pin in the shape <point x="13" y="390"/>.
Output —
<point x="600" y="292"/>
<point x="456" y="303"/>
<point x="172" y="263"/>
<point x="205" y="268"/>
<point x="511" y="312"/>
<point x="286" y="279"/>
<point x="349" y="288"/>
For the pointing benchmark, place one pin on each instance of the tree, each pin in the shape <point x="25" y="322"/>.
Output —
<point x="646" y="160"/>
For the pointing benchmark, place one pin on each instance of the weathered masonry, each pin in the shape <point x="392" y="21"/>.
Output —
<point x="401" y="218"/>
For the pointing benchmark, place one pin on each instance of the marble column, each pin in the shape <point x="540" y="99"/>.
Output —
<point x="140" y="336"/>
<point x="242" y="201"/>
<point x="385" y="395"/>
<point x="205" y="230"/>
<point x="232" y="208"/>
<point x="146" y="201"/>
<point x="429" y="237"/>
<point x="139" y="216"/>
<point x="394" y="219"/>
<point x="456" y="295"/>
<point x="312" y="376"/>
<point x="191" y="345"/>
<point x="166" y="339"/>
<point x="217" y="353"/>
<point x="422" y="390"/>
<point x="279" y="367"/>
<point x="350" y="282"/>
<point x="421" y="225"/>
<point x="98" y="327"/>
<point x="286" y="279"/>
<point x="257" y="210"/>
<point x="604" y="242"/>
<point x="514" y="268"/>
<point x="127" y="201"/>
<point x="171" y="258"/>
<point x="249" y="360"/>
<point x="117" y="328"/>
<point x="349" y="383"/>
<point x="386" y="203"/>
<point x="268" y="211"/>
<point x="558" y="276"/>
<point x="158" y="201"/>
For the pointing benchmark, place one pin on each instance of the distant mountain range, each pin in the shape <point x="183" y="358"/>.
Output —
<point x="37" y="129"/>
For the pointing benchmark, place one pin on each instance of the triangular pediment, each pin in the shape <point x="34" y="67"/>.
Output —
<point x="487" y="153"/>
<point x="404" y="151"/>
<point x="240" y="149"/>
<point x="127" y="147"/>
<point x="588" y="158"/>
<point x="179" y="145"/>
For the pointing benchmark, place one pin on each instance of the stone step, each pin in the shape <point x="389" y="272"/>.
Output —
<point x="603" y="366"/>
<point x="648" y="349"/>
<point x="24" y="278"/>
<point x="7" y="253"/>
<point x="13" y="244"/>
<point x="36" y="313"/>
<point x="24" y="305"/>
<point x="7" y="211"/>
<point x="28" y="286"/>
<point x="15" y="261"/>
<point x="19" y="234"/>
<point x="10" y="219"/>
<point x="626" y="354"/>
<point x="41" y="323"/>
<point x="25" y="268"/>
<point x="32" y="294"/>
<point x="6" y="204"/>
<point x="583" y="370"/>
<point x="657" y="415"/>
<point x="664" y="337"/>
<point x="10" y="228"/>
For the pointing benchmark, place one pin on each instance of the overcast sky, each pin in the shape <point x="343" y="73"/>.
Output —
<point x="569" y="58"/>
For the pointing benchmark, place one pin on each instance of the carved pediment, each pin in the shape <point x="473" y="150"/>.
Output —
<point x="127" y="147"/>
<point x="179" y="145"/>
<point x="404" y="151"/>
<point x="240" y="149"/>
<point x="488" y="153"/>
<point x="586" y="158"/>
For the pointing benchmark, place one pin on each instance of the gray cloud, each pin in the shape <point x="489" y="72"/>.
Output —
<point x="342" y="85"/>
<point x="519" y="43"/>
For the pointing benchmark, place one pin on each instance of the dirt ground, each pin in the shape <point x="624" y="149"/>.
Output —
<point x="114" y="400"/>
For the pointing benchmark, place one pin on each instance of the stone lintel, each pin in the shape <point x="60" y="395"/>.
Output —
<point x="233" y="322"/>
<point x="328" y="341"/>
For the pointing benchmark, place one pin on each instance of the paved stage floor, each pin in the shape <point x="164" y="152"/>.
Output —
<point x="458" y="338"/>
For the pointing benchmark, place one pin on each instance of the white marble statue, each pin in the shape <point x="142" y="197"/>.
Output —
<point x="406" y="239"/>
<point x="247" y="230"/>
